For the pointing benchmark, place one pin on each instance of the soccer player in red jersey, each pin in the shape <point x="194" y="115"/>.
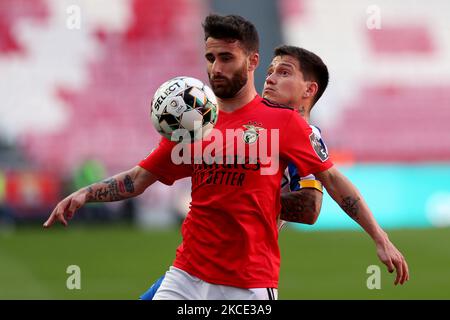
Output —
<point x="298" y="78"/>
<point x="230" y="248"/>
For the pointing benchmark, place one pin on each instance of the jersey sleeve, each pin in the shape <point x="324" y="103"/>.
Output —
<point x="160" y="164"/>
<point x="302" y="147"/>
<point x="293" y="172"/>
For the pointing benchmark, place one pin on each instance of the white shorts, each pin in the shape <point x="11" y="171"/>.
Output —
<point x="180" y="285"/>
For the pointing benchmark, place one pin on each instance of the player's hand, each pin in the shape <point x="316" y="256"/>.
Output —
<point x="66" y="209"/>
<point x="394" y="260"/>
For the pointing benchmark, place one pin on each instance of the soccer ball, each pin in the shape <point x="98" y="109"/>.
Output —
<point x="184" y="109"/>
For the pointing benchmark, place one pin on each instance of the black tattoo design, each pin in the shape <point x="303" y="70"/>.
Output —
<point x="90" y="195"/>
<point x="110" y="190"/>
<point x="300" y="206"/>
<point x="350" y="206"/>
<point x="113" y="189"/>
<point x="302" y="110"/>
<point x="101" y="194"/>
<point x="129" y="185"/>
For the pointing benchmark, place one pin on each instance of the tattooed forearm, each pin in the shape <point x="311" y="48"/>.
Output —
<point x="90" y="194"/>
<point x="111" y="190"/>
<point x="301" y="206"/>
<point x="291" y="207"/>
<point x="351" y="207"/>
<point x="126" y="185"/>
<point x="101" y="194"/>
<point x="129" y="186"/>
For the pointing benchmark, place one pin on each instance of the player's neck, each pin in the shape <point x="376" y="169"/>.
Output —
<point x="306" y="117"/>
<point x="304" y="111"/>
<point x="242" y="98"/>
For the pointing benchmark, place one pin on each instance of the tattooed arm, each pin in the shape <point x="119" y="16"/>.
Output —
<point x="352" y="202"/>
<point x="302" y="206"/>
<point x="124" y="185"/>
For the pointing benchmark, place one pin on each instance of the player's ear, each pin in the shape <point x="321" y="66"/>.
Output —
<point x="311" y="89"/>
<point x="253" y="61"/>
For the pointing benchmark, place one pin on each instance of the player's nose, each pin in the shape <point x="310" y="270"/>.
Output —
<point x="270" y="79"/>
<point x="216" y="68"/>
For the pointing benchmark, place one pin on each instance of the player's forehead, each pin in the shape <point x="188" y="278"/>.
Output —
<point x="216" y="46"/>
<point x="285" y="61"/>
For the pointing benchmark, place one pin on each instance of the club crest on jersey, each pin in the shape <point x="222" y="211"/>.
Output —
<point x="251" y="133"/>
<point x="319" y="147"/>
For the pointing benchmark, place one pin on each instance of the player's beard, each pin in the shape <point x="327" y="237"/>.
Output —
<point x="228" y="88"/>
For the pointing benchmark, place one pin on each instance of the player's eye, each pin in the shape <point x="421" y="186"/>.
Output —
<point x="210" y="58"/>
<point x="226" y="58"/>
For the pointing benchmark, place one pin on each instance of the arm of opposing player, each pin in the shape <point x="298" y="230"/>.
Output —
<point x="302" y="206"/>
<point x="352" y="202"/>
<point x="122" y="186"/>
<point x="300" y="146"/>
<point x="310" y="157"/>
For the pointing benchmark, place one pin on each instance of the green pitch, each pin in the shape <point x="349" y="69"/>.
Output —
<point x="121" y="262"/>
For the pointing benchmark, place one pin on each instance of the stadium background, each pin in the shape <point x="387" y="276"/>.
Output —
<point x="74" y="100"/>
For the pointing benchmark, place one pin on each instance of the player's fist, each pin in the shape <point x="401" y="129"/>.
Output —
<point x="66" y="208"/>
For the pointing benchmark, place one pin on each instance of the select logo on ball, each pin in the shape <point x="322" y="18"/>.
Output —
<point x="184" y="105"/>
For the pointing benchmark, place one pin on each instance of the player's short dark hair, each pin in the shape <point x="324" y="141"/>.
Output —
<point x="232" y="27"/>
<point x="311" y="66"/>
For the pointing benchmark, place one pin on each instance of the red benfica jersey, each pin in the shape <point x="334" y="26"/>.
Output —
<point x="230" y="235"/>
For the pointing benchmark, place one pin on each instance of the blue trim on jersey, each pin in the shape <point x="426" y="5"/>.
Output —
<point x="150" y="293"/>
<point x="320" y="131"/>
<point x="294" y="184"/>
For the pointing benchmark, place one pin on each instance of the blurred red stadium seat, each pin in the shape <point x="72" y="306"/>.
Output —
<point x="396" y="124"/>
<point x="109" y="117"/>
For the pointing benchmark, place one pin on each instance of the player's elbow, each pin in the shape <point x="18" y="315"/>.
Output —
<point x="311" y="220"/>
<point x="138" y="190"/>
<point x="312" y="211"/>
<point x="311" y="217"/>
<point x="141" y="179"/>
